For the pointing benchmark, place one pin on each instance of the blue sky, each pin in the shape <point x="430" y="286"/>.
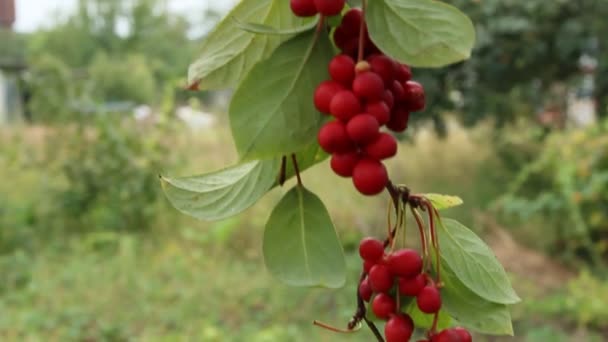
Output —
<point x="33" y="14"/>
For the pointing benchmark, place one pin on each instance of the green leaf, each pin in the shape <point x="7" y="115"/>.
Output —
<point x="308" y="157"/>
<point x="221" y="194"/>
<point x="474" y="263"/>
<point x="265" y="29"/>
<point x="470" y="310"/>
<point x="229" y="53"/>
<point x="301" y="247"/>
<point x="441" y="202"/>
<point x="272" y="112"/>
<point x="422" y="33"/>
<point x="423" y="320"/>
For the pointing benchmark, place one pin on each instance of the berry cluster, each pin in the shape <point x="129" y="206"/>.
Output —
<point x="400" y="273"/>
<point x="363" y="97"/>
<point x="309" y="8"/>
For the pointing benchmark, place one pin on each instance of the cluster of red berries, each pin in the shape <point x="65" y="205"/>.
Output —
<point x="400" y="273"/>
<point x="363" y="97"/>
<point x="309" y="8"/>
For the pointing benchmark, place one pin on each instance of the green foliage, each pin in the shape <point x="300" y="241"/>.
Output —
<point x="301" y="247"/>
<point x="49" y="103"/>
<point x="441" y="202"/>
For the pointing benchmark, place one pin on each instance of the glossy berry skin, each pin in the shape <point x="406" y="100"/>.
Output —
<point x="379" y="110"/>
<point x="412" y="286"/>
<point x="380" y="278"/>
<point x="367" y="265"/>
<point x="368" y="85"/>
<point x="333" y="138"/>
<point x="324" y="94"/>
<point x="398" y="91"/>
<point x="384" y="67"/>
<point x="351" y="21"/>
<point x="465" y="335"/>
<point x="403" y="73"/>
<point x="343" y="164"/>
<point x="389" y="98"/>
<point x="329" y="7"/>
<point x="342" y="69"/>
<point x="429" y="300"/>
<point x="365" y="291"/>
<point x="370" y="176"/>
<point x="383" y="306"/>
<point x="303" y="8"/>
<point x="362" y="128"/>
<point x="447" y="335"/>
<point x="344" y="105"/>
<point x="399" y="328"/>
<point x="414" y="96"/>
<point x="399" y="120"/>
<point x="383" y="147"/>
<point x="371" y="249"/>
<point x="405" y="263"/>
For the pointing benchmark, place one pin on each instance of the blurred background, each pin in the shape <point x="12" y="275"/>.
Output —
<point x="93" y="108"/>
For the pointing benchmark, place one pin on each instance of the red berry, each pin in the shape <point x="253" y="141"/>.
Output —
<point x="365" y="291"/>
<point x="398" y="91"/>
<point x="333" y="138"/>
<point x="370" y="176"/>
<point x="447" y="335"/>
<point x="342" y="69"/>
<point x="344" y="105"/>
<point x="341" y="37"/>
<point x="380" y="278"/>
<point x="399" y="328"/>
<point x="399" y="120"/>
<point x="383" y="306"/>
<point x="368" y="85"/>
<point x="383" y="147"/>
<point x="412" y="286"/>
<point x="384" y="67"/>
<point x="351" y="21"/>
<point x="330" y="8"/>
<point x="367" y="265"/>
<point x="403" y="73"/>
<point x="465" y="335"/>
<point x="414" y="96"/>
<point x="379" y="110"/>
<point x="303" y="8"/>
<point x="344" y="163"/>
<point x="429" y="300"/>
<point x="362" y="128"/>
<point x="371" y="249"/>
<point x="405" y="263"/>
<point x="389" y="98"/>
<point x="324" y="93"/>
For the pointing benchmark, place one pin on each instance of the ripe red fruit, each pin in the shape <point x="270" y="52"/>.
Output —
<point x="341" y="37"/>
<point x="333" y="138"/>
<point x="365" y="291"/>
<point x="330" y="7"/>
<point x="367" y="265"/>
<point x="403" y="73"/>
<point x="405" y="263"/>
<point x="371" y="249"/>
<point x="429" y="299"/>
<point x="351" y="21"/>
<point x="368" y="85"/>
<point x="447" y="335"/>
<point x="380" y="278"/>
<point x="398" y="91"/>
<point x="379" y="110"/>
<point x="362" y="128"/>
<point x="383" y="147"/>
<point x="399" y="120"/>
<point x="389" y="98"/>
<point x="384" y="67"/>
<point x="303" y="8"/>
<point x="342" y="69"/>
<point x="344" y="163"/>
<point x="370" y="176"/>
<point x="412" y="286"/>
<point x="465" y="335"/>
<point x="344" y="105"/>
<point x="414" y="96"/>
<point x="383" y="306"/>
<point x="324" y="93"/>
<point x="399" y="328"/>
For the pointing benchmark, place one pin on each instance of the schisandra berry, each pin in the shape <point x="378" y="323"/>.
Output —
<point x="351" y="21"/>
<point x="383" y="305"/>
<point x="465" y="335"/>
<point x="370" y="176"/>
<point x="329" y="8"/>
<point x="324" y="93"/>
<point x="398" y="91"/>
<point x="342" y="69"/>
<point x="371" y="249"/>
<point x="383" y="147"/>
<point x="429" y="300"/>
<point x="399" y="328"/>
<point x="365" y="291"/>
<point x="368" y="85"/>
<point x="362" y="128"/>
<point x="389" y="98"/>
<point x="380" y="278"/>
<point x="412" y="286"/>
<point x="380" y="110"/>
<point x="447" y="335"/>
<point x="344" y="163"/>
<point x="399" y="120"/>
<point x="414" y="96"/>
<point x="403" y="73"/>
<point x="367" y="265"/>
<point x="344" y="105"/>
<point x="405" y="263"/>
<point x="384" y="67"/>
<point x="303" y="8"/>
<point x="333" y="138"/>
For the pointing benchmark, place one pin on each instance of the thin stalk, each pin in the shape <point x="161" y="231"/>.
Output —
<point x="362" y="32"/>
